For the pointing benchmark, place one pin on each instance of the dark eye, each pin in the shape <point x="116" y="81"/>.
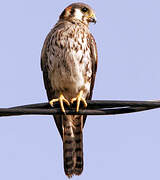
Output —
<point x="84" y="9"/>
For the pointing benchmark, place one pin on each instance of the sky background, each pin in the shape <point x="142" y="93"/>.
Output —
<point x="115" y="147"/>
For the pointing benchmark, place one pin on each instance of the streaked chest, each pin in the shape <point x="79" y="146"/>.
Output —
<point x="69" y="57"/>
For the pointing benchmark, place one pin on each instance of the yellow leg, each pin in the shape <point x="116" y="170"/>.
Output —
<point x="79" y="98"/>
<point x="61" y="99"/>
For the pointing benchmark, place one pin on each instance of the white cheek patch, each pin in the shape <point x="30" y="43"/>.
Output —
<point x="78" y="14"/>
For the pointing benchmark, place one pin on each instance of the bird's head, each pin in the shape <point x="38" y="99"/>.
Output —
<point x="78" y="11"/>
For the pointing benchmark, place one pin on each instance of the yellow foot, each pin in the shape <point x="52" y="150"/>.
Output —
<point x="61" y="99"/>
<point x="79" y="98"/>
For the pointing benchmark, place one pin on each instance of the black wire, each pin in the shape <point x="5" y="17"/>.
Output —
<point x="95" y="107"/>
<point x="101" y="104"/>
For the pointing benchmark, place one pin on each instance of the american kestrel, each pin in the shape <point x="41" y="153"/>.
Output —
<point x="69" y="64"/>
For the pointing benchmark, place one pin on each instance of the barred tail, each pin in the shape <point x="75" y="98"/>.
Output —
<point x="73" y="145"/>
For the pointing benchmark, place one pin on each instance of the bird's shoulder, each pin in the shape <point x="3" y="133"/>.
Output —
<point x="53" y="32"/>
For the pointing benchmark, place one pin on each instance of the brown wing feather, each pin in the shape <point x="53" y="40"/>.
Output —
<point x="45" y="69"/>
<point x="94" y="57"/>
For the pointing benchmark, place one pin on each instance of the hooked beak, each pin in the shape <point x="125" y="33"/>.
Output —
<point x="92" y="19"/>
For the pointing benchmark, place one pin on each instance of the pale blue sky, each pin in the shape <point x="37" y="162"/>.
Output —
<point x="121" y="147"/>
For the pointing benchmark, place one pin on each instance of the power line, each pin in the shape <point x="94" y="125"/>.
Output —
<point x="95" y="107"/>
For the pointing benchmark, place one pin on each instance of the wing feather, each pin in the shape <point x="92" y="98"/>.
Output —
<point x="45" y="68"/>
<point x="94" y="58"/>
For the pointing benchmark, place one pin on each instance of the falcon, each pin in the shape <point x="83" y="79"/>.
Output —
<point x="69" y="64"/>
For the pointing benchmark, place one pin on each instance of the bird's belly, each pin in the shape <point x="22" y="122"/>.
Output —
<point x="70" y="81"/>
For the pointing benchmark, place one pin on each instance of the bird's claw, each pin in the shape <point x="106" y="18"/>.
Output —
<point x="61" y="99"/>
<point x="79" y="98"/>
